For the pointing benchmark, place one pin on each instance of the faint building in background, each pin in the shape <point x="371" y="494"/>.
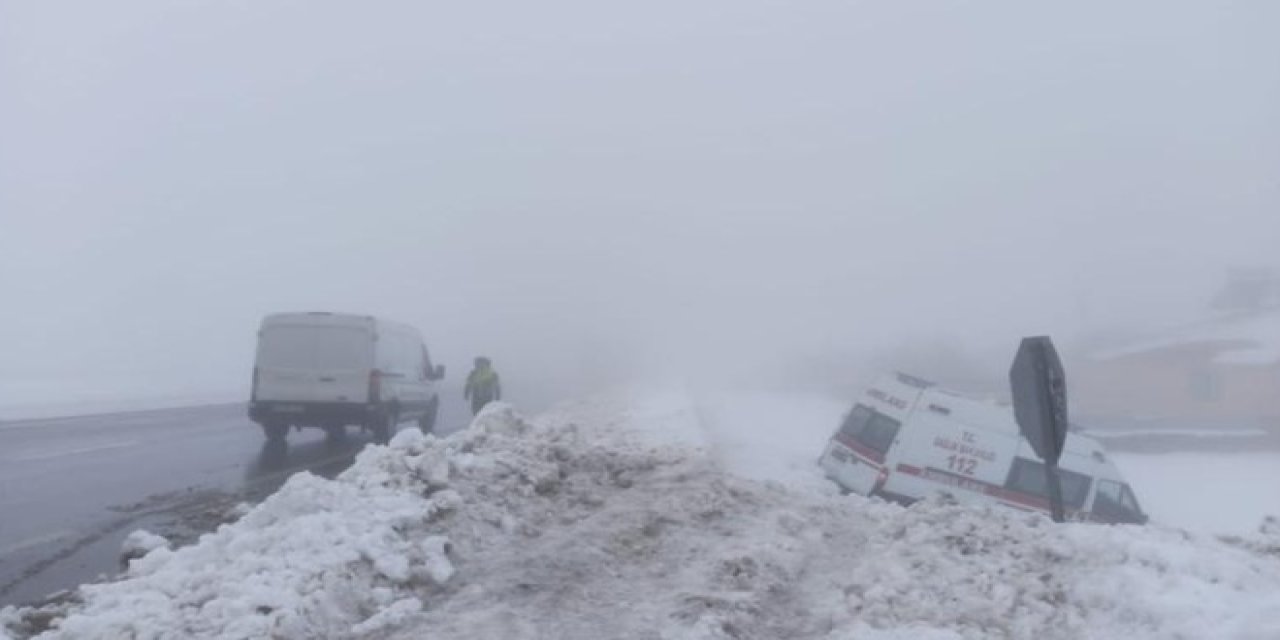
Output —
<point x="1221" y="372"/>
<point x="1249" y="291"/>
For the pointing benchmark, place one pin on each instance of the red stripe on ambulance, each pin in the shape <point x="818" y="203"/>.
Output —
<point x="1017" y="498"/>
<point x="865" y="453"/>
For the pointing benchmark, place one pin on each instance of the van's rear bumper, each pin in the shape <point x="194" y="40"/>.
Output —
<point x="313" y="413"/>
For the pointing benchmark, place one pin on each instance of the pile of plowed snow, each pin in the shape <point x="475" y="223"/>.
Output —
<point x="585" y="524"/>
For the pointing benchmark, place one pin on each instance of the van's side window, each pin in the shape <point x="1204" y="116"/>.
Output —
<point x="404" y="357"/>
<point x="1027" y="476"/>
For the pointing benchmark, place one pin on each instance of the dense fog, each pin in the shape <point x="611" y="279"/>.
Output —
<point x="590" y="191"/>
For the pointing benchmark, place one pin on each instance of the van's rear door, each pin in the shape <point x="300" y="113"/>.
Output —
<point x="314" y="363"/>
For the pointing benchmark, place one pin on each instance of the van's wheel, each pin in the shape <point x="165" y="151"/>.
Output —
<point x="428" y="421"/>
<point x="275" y="431"/>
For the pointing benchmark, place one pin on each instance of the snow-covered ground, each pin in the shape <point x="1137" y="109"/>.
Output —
<point x="1226" y="493"/>
<point x="770" y="437"/>
<point x="1194" y="433"/>
<point x="644" y="515"/>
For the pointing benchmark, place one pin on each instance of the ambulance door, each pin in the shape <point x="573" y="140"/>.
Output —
<point x="860" y="446"/>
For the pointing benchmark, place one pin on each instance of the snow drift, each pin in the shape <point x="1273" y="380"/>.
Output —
<point x="608" y="519"/>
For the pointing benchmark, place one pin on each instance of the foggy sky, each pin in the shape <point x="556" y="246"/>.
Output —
<point x="559" y="183"/>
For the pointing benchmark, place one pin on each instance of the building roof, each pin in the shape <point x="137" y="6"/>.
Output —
<point x="1238" y="338"/>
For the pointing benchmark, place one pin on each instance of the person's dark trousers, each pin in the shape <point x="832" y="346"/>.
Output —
<point x="478" y="403"/>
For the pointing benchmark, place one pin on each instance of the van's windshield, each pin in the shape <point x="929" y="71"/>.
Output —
<point x="312" y="348"/>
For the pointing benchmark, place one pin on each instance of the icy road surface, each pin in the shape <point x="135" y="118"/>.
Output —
<point x="71" y="489"/>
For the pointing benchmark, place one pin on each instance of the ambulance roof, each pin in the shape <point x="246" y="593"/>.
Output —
<point x="981" y="413"/>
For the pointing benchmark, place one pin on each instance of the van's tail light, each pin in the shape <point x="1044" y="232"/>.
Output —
<point x="253" y="391"/>
<point x="375" y="385"/>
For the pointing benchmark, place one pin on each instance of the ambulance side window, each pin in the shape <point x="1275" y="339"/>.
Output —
<point x="1027" y="476"/>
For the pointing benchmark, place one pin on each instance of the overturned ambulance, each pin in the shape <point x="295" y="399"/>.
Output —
<point x="907" y="439"/>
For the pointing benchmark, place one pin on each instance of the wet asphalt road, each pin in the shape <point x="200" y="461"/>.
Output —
<point x="71" y="489"/>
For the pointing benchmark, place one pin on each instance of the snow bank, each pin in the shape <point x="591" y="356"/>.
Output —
<point x="989" y="573"/>
<point x="771" y="437"/>
<point x="139" y="543"/>
<point x="586" y="523"/>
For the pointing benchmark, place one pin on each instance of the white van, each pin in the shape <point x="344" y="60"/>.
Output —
<point x="330" y="370"/>
<point x="906" y="439"/>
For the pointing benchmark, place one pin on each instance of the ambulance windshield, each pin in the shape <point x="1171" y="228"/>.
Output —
<point x="1115" y="501"/>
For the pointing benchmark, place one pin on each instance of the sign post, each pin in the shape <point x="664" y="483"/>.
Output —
<point x="1039" y="389"/>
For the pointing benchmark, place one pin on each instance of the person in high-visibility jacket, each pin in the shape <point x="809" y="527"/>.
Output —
<point x="483" y="385"/>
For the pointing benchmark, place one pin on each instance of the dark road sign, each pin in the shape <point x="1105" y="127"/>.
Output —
<point x="1039" y="388"/>
<point x="1040" y="397"/>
